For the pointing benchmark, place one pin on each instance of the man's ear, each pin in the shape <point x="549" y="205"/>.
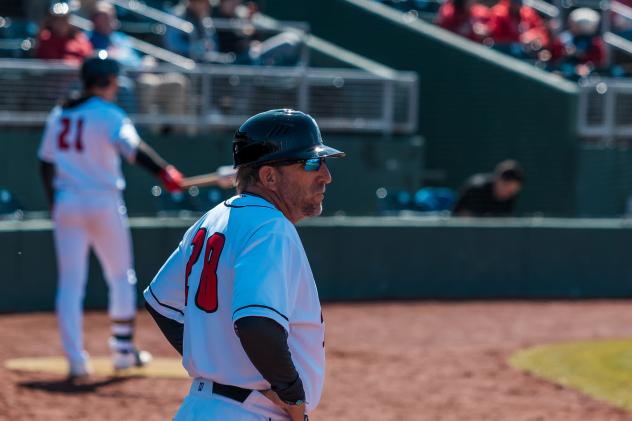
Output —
<point x="267" y="176"/>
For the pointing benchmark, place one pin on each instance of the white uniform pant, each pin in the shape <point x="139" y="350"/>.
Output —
<point x="202" y="405"/>
<point x="99" y="220"/>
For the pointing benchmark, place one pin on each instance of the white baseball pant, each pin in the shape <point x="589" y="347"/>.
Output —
<point x="201" y="404"/>
<point x="94" y="219"/>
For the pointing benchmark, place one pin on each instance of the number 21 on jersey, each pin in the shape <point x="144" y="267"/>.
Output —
<point x="206" y="295"/>
<point x="62" y="138"/>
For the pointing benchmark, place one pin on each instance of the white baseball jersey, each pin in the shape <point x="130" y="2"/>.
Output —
<point x="85" y="141"/>
<point x="243" y="258"/>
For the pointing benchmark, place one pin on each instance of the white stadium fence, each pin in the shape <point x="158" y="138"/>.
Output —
<point x="222" y="96"/>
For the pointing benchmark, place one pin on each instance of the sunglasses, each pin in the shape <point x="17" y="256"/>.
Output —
<point x="309" y="165"/>
<point x="313" y="164"/>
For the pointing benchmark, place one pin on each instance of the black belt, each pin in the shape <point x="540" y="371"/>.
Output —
<point x="235" y="393"/>
<point x="232" y="392"/>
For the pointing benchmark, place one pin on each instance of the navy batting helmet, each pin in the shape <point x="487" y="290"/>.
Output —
<point x="279" y="135"/>
<point x="98" y="71"/>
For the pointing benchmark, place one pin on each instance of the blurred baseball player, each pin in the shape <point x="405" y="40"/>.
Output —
<point x="237" y="298"/>
<point x="81" y="170"/>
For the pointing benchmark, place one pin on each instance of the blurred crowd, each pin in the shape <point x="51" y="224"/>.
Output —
<point x="565" y="40"/>
<point x="56" y="35"/>
<point x="511" y="26"/>
<point x="216" y="32"/>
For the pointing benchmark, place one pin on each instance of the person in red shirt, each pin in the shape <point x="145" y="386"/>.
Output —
<point x="59" y="40"/>
<point x="514" y="23"/>
<point x="464" y="17"/>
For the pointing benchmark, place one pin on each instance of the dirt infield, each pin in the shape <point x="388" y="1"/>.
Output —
<point x="394" y="361"/>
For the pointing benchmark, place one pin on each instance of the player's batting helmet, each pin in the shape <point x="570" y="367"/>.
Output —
<point x="279" y="135"/>
<point x="98" y="71"/>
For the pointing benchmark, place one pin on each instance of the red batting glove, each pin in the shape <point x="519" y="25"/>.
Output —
<point x="171" y="178"/>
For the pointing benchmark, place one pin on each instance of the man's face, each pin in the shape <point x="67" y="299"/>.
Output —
<point x="200" y="8"/>
<point x="302" y="191"/>
<point x="103" y="23"/>
<point x="60" y="26"/>
<point x="228" y="7"/>
<point x="506" y="189"/>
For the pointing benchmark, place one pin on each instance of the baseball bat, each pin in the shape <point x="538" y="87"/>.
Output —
<point x="209" y="179"/>
<point x="222" y="177"/>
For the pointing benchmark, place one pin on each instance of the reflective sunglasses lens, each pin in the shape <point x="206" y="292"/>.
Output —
<point x="312" y="164"/>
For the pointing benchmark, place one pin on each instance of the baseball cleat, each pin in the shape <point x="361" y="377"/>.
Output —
<point x="79" y="370"/>
<point x="136" y="358"/>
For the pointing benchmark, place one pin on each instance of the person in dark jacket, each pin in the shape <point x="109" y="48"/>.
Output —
<point x="491" y="194"/>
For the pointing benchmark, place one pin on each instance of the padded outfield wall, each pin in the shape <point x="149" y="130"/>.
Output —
<point x="476" y="107"/>
<point x="372" y="162"/>
<point x="375" y="259"/>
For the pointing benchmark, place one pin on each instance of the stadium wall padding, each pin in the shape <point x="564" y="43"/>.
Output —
<point x="374" y="259"/>
<point x="390" y="162"/>
<point x="476" y="106"/>
<point x="604" y="181"/>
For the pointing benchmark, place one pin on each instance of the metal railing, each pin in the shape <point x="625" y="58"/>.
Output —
<point x="605" y="110"/>
<point x="547" y="9"/>
<point x="258" y="22"/>
<point x="218" y="96"/>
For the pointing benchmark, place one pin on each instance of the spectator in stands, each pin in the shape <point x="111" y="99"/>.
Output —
<point x="580" y="49"/>
<point x="464" y="17"/>
<point x="246" y="45"/>
<point x="105" y="37"/>
<point x="238" y="39"/>
<point x="491" y="194"/>
<point x="201" y="44"/>
<point x="517" y="29"/>
<point x="59" y="40"/>
<point x="162" y="93"/>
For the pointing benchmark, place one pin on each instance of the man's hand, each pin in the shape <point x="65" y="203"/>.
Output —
<point x="171" y="178"/>
<point x="296" y="412"/>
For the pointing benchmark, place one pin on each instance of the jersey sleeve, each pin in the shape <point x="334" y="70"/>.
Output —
<point x="47" y="146"/>
<point x="125" y="137"/>
<point x="165" y="293"/>
<point x="263" y="275"/>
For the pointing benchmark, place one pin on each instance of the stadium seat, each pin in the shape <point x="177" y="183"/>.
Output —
<point x="434" y="199"/>
<point x="393" y="200"/>
<point x="193" y="200"/>
<point x="16" y="37"/>
<point x="10" y="208"/>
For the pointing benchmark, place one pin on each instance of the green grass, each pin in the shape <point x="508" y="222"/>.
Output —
<point x="600" y="369"/>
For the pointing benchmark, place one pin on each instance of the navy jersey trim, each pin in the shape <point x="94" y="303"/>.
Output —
<point x="230" y="205"/>
<point x="262" y="306"/>
<point x="247" y="193"/>
<point x="164" y="305"/>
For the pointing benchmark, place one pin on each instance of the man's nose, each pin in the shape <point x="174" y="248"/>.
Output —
<point x="324" y="172"/>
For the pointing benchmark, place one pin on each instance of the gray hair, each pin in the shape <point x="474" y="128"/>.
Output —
<point x="246" y="177"/>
